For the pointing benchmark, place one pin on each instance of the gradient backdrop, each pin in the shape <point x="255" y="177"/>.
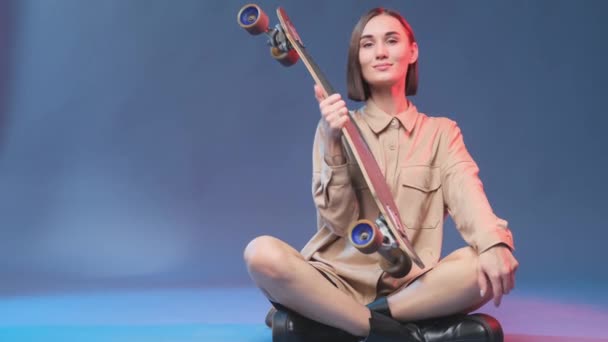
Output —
<point x="144" y="143"/>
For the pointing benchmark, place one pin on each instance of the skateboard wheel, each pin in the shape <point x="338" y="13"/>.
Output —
<point x="365" y="236"/>
<point x="401" y="265"/>
<point x="288" y="58"/>
<point x="253" y="19"/>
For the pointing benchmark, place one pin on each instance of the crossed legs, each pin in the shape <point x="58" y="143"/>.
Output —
<point x="285" y="277"/>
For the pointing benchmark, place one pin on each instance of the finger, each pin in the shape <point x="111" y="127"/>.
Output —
<point x="336" y="106"/>
<point x="506" y="283"/>
<point x="341" y="111"/>
<point x="332" y="115"/>
<point x="512" y="277"/>
<point x="328" y="105"/>
<point x="342" y="121"/>
<point x="319" y="95"/>
<point x="334" y="111"/>
<point x="508" y="278"/>
<point x="482" y="280"/>
<point x="330" y="100"/>
<point x="496" y="289"/>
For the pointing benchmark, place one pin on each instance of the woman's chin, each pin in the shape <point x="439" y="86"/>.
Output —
<point x="382" y="82"/>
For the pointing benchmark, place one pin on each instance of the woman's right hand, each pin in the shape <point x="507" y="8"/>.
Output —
<point x="334" y="113"/>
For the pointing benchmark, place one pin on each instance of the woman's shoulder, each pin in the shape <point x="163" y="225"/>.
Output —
<point x="441" y="122"/>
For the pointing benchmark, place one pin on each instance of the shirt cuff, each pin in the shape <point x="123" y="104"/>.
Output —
<point x="495" y="237"/>
<point x="335" y="175"/>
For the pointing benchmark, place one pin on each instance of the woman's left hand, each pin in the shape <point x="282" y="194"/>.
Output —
<point x="496" y="269"/>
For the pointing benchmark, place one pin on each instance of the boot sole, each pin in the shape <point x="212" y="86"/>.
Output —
<point x="491" y="325"/>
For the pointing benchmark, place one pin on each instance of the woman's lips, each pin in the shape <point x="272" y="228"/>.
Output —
<point x="382" y="67"/>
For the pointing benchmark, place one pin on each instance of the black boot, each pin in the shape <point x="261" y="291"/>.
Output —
<point x="268" y="319"/>
<point x="385" y="329"/>
<point x="289" y="326"/>
<point x="465" y="328"/>
<point x="461" y="328"/>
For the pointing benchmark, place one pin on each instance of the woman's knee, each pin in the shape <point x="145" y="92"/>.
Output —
<point x="268" y="257"/>
<point x="463" y="261"/>
<point x="464" y="253"/>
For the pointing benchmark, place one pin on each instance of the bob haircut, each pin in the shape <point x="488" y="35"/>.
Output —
<point x="358" y="89"/>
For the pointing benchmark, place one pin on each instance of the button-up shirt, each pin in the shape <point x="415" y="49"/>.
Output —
<point x="430" y="173"/>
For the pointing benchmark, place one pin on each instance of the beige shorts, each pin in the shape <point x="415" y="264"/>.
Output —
<point x="364" y="294"/>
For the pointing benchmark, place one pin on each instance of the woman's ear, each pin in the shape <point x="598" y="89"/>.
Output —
<point x="414" y="57"/>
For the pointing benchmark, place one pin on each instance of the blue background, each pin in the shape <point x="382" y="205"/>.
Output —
<point x="144" y="143"/>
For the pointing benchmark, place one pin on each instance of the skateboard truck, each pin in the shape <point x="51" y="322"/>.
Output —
<point x="370" y="237"/>
<point x="255" y="21"/>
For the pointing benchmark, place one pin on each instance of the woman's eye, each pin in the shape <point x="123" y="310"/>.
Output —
<point x="366" y="44"/>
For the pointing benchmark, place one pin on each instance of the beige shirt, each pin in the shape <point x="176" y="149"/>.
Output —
<point x="430" y="173"/>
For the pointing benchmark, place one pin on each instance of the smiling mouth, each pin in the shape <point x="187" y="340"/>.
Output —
<point x="382" y="66"/>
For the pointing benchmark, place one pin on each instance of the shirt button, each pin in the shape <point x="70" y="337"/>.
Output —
<point x="392" y="147"/>
<point x="395" y="123"/>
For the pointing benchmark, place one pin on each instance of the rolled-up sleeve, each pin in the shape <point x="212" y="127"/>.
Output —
<point x="465" y="198"/>
<point x="332" y="191"/>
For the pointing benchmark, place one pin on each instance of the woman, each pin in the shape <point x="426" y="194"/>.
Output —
<point x="330" y="291"/>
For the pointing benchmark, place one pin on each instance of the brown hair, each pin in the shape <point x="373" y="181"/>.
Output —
<point x="358" y="89"/>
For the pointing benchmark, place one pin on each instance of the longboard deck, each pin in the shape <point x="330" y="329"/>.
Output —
<point x="361" y="151"/>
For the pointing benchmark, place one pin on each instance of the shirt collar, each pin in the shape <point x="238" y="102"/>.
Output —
<point x="378" y="120"/>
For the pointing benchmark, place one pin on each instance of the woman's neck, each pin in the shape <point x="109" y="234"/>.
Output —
<point x="390" y="100"/>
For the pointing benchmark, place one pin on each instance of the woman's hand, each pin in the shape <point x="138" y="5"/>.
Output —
<point x="334" y="113"/>
<point x="496" y="271"/>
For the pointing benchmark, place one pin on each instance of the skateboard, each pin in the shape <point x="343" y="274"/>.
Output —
<point x="386" y="235"/>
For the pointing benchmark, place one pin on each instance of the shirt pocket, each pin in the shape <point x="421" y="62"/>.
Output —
<point x="419" y="197"/>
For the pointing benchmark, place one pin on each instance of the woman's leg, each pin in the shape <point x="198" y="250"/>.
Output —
<point x="450" y="288"/>
<point x="285" y="277"/>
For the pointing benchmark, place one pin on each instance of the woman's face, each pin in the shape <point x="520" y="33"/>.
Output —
<point x="385" y="52"/>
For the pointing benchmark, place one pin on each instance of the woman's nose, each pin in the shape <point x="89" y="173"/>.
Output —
<point x="381" y="51"/>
